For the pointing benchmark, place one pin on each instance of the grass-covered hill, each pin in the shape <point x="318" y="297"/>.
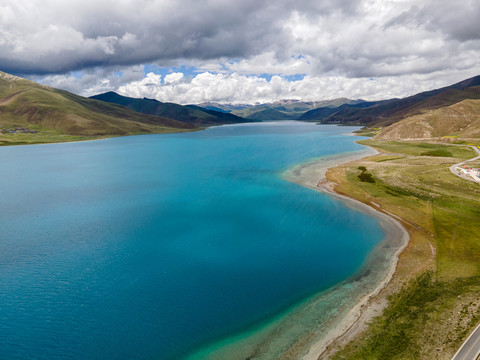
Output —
<point x="54" y="113"/>
<point x="384" y="113"/>
<point x="188" y="114"/>
<point x="458" y="120"/>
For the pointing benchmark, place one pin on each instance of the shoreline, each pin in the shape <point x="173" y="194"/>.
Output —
<point x="309" y="329"/>
<point x="355" y="320"/>
<point x="59" y="142"/>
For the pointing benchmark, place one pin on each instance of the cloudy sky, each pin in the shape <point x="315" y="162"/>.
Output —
<point x="241" y="51"/>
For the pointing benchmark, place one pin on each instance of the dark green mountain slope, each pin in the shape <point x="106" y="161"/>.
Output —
<point x="29" y="105"/>
<point x="326" y="112"/>
<point x="271" y="114"/>
<point x="188" y="114"/>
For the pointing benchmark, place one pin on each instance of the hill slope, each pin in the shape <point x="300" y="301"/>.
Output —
<point x="24" y="103"/>
<point x="188" y="114"/>
<point x="328" y="112"/>
<point x="460" y="120"/>
<point x="271" y="114"/>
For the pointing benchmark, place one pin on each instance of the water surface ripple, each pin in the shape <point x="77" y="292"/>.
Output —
<point x="151" y="246"/>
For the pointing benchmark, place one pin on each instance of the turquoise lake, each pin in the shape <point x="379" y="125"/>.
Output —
<point x="149" y="247"/>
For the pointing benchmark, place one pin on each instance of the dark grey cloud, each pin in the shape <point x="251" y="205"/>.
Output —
<point x="71" y="35"/>
<point x="348" y="39"/>
<point x="456" y="20"/>
<point x="57" y="37"/>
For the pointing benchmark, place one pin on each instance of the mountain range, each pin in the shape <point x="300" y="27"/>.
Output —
<point x="387" y="112"/>
<point x="278" y="110"/>
<point x="189" y="114"/>
<point x="449" y="111"/>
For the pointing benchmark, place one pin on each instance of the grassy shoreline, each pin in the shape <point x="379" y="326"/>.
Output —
<point x="432" y="298"/>
<point x="53" y="137"/>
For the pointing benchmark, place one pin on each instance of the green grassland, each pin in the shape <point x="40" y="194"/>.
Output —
<point x="434" y="299"/>
<point x="43" y="137"/>
<point x="47" y="136"/>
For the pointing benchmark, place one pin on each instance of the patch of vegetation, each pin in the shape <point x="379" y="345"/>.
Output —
<point x="365" y="176"/>
<point x="439" y="153"/>
<point x="42" y="137"/>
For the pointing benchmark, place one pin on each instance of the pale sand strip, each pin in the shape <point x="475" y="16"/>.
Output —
<point x="312" y="175"/>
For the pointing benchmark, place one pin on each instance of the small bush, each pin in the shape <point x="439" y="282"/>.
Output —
<point x="365" y="176"/>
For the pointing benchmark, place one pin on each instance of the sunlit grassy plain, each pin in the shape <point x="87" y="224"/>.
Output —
<point x="434" y="298"/>
<point x="46" y="136"/>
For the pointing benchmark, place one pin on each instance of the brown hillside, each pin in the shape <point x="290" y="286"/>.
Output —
<point x="24" y="103"/>
<point x="461" y="119"/>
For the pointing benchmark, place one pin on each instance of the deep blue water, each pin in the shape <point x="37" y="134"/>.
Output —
<point x="147" y="247"/>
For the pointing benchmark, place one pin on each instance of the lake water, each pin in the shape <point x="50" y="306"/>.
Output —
<point x="149" y="247"/>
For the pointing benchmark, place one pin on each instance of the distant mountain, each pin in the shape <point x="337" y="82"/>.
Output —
<point x="278" y="110"/>
<point x="223" y="107"/>
<point x="290" y="109"/>
<point x="214" y="108"/>
<point x="188" y="114"/>
<point x="326" y="112"/>
<point x="384" y="113"/>
<point x="26" y="104"/>
<point x="271" y="114"/>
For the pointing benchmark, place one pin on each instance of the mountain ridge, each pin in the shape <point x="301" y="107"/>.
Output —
<point x="186" y="113"/>
<point x="287" y="109"/>
<point x="387" y="112"/>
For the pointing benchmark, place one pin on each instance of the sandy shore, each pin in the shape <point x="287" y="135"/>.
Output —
<point x="312" y="175"/>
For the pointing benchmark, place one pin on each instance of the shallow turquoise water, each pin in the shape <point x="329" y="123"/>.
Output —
<point x="151" y="246"/>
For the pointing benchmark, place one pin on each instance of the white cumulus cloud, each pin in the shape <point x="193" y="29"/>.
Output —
<point x="173" y="78"/>
<point x="332" y="41"/>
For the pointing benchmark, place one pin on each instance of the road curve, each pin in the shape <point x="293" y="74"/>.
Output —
<point x="454" y="172"/>
<point x="470" y="348"/>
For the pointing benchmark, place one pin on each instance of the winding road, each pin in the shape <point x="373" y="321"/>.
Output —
<point x="470" y="348"/>
<point x="454" y="172"/>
